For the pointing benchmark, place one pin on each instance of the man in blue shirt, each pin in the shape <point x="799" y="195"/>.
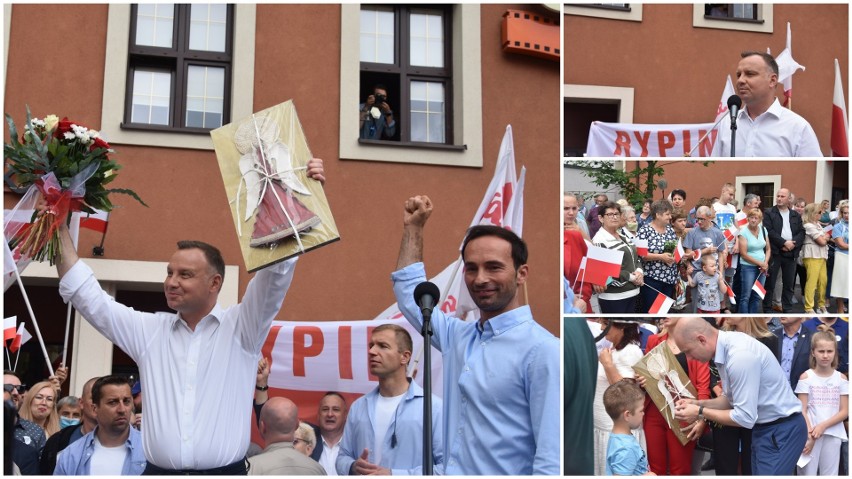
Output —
<point x="113" y="447"/>
<point x="384" y="428"/>
<point x="756" y="395"/>
<point x="501" y="373"/>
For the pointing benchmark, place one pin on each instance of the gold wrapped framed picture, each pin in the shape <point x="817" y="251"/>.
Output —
<point x="666" y="383"/>
<point x="278" y="211"/>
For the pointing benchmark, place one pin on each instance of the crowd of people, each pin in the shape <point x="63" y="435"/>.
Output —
<point x="711" y="258"/>
<point x="770" y="396"/>
<point x="200" y="366"/>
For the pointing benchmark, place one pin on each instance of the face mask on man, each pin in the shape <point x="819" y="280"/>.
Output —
<point x="632" y="226"/>
<point x="67" y="421"/>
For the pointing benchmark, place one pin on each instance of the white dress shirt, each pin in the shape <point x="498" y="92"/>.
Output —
<point x="198" y="385"/>
<point x="328" y="458"/>
<point x="778" y="132"/>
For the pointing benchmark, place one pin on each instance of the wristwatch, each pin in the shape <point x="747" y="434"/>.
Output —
<point x="261" y="388"/>
<point x="701" y="413"/>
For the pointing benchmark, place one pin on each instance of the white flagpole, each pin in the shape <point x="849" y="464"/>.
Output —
<point x="416" y="364"/>
<point x="17" y="356"/>
<point x="75" y="233"/>
<point x="9" y="358"/>
<point x="35" y="323"/>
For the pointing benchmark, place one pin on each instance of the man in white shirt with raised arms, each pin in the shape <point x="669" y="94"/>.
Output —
<point x="198" y="366"/>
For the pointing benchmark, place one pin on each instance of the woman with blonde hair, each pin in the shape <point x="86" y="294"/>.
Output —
<point x="815" y="258"/>
<point x="755" y="327"/>
<point x="306" y="439"/>
<point x="39" y="406"/>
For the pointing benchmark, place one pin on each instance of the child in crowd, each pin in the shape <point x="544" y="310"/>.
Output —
<point x="625" y="403"/>
<point x="824" y="393"/>
<point x="711" y="286"/>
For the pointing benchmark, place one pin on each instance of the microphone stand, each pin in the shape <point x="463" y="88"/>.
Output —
<point x="426" y="331"/>
<point x="733" y="135"/>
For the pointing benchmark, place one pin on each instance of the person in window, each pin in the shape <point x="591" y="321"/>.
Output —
<point x="377" y="122"/>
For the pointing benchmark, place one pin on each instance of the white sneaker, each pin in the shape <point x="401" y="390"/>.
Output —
<point x="822" y="310"/>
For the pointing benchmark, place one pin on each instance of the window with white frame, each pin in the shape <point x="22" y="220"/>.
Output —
<point x="430" y="59"/>
<point x="179" y="67"/>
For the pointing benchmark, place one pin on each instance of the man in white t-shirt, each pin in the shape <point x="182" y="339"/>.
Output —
<point x="384" y="430"/>
<point x="113" y="448"/>
<point x="726" y="214"/>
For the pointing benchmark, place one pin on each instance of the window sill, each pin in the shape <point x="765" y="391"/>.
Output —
<point x="733" y="19"/>
<point x="164" y="129"/>
<point x="413" y="144"/>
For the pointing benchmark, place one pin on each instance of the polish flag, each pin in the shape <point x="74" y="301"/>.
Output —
<point x="827" y="230"/>
<point x="21" y="338"/>
<point x="581" y="273"/>
<point x="641" y="247"/>
<point x="730" y="292"/>
<point x="601" y="263"/>
<point x="96" y="221"/>
<point x="758" y="288"/>
<point x="731" y="233"/>
<point x="731" y="261"/>
<point x="787" y="66"/>
<point x="661" y="305"/>
<point x="9" y="328"/>
<point x="741" y="219"/>
<point x="679" y="253"/>
<point x="722" y="109"/>
<point x="839" y="120"/>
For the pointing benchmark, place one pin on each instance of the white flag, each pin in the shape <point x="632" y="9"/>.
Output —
<point x="502" y="205"/>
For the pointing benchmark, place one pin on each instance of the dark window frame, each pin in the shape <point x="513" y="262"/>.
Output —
<point x="177" y="59"/>
<point x="730" y="18"/>
<point x="406" y="73"/>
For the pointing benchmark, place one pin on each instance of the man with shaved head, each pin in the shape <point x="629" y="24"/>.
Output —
<point x="786" y="237"/>
<point x="279" y="420"/>
<point x="756" y="394"/>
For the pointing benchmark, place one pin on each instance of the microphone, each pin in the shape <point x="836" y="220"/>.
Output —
<point x="734" y="105"/>
<point x="426" y="294"/>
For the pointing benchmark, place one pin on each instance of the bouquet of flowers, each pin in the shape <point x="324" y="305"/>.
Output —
<point x="69" y="166"/>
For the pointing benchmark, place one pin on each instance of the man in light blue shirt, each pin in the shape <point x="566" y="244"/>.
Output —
<point x="113" y="447"/>
<point x="756" y="394"/>
<point x="501" y="373"/>
<point x="384" y="428"/>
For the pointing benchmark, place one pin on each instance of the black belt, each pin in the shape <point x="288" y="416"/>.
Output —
<point x="779" y="420"/>
<point x="236" y="469"/>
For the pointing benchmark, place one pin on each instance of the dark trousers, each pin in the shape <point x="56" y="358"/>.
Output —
<point x="236" y="469"/>
<point x="775" y="448"/>
<point x="786" y="266"/>
<point x="626" y="305"/>
<point x="728" y="442"/>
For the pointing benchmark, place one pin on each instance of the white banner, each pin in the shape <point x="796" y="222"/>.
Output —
<point x="638" y="140"/>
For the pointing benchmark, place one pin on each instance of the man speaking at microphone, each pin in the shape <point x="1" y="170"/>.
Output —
<point x="501" y="373"/>
<point x="763" y="126"/>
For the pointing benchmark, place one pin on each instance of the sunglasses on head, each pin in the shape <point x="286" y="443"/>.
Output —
<point x="20" y="387"/>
